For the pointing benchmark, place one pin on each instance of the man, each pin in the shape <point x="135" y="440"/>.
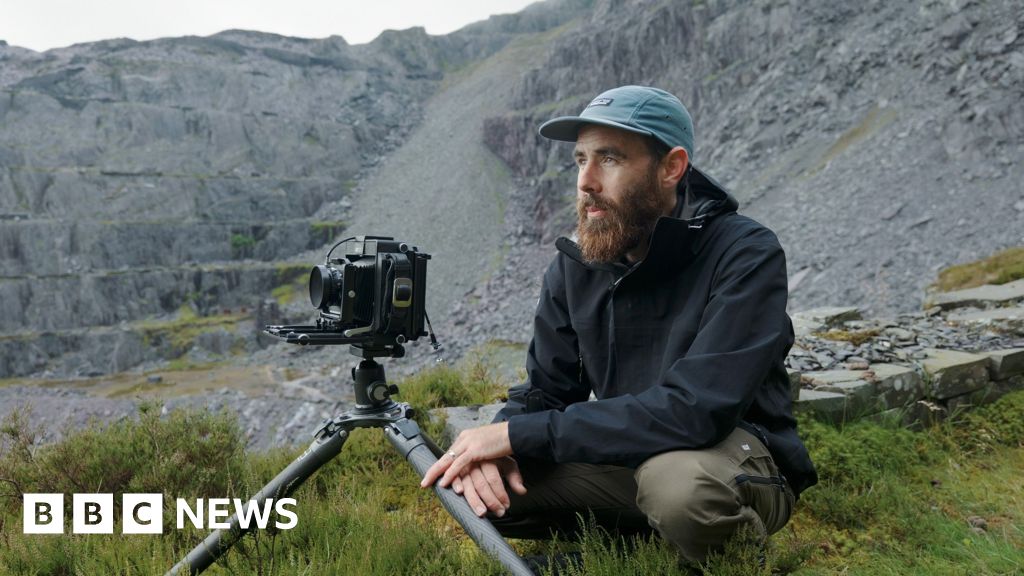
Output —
<point x="671" y="310"/>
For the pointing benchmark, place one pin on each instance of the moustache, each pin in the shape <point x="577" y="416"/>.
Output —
<point x="590" y="201"/>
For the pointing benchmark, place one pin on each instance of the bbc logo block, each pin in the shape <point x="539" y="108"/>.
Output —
<point x="44" y="514"/>
<point x="93" y="514"/>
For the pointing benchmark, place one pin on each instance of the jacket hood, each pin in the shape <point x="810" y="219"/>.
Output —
<point x="702" y="200"/>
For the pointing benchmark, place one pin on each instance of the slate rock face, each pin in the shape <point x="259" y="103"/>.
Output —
<point x="140" y="177"/>
<point x="873" y="139"/>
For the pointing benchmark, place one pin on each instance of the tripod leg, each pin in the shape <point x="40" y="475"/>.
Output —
<point x="412" y="443"/>
<point x="321" y="451"/>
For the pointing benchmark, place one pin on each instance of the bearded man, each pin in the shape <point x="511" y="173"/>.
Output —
<point x="670" y="310"/>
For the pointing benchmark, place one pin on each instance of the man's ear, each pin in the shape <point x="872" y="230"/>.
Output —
<point x="673" y="166"/>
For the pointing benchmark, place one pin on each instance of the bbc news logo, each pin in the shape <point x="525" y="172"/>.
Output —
<point x="143" y="513"/>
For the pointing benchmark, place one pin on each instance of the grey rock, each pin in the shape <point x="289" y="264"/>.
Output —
<point x="860" y="397"/>
<point x="925" y="413"/>
<point x="794" y="383"/>
<point x="953" y="373"/>
<point x="829" y="406"/>
<point x="1011" y="317"/>
<point x="830" y="316"/>
<point x="465" y="417"/>
<point x="985" y="395"/>
<point x="978" y="297"/>
<point x="1004" y="364"/>
<point x="896" y="385"/>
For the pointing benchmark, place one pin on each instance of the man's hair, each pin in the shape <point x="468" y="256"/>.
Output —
<point x="656" y="148"/>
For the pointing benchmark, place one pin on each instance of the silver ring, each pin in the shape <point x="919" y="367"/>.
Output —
<point x="452" y="454"/>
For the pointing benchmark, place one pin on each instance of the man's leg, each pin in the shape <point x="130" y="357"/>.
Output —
<point x="558" y="494"/>
<point x="697" y="499"/>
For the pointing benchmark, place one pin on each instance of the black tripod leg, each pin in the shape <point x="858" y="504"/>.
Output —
<point x="412" y="443"/>
<point x="217" y="543"/>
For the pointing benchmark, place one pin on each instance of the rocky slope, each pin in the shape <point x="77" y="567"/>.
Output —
<point x="161" y="200"/>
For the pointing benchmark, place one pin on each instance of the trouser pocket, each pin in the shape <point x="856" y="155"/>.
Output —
<point x="769" y="496"/>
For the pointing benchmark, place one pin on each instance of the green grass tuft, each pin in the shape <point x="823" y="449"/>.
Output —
<point x="1000" y="268"/>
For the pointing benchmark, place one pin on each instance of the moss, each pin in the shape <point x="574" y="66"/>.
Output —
<point x="1000" y="268"/>
<point x="999" y="423"/>
<point x="855" y="337"/>
<point x="288" y="271"/>
<point x="182" y="332"/>
<point x="322" y="232"/>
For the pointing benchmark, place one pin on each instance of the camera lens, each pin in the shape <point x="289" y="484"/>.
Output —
<point x="321" y="287"/>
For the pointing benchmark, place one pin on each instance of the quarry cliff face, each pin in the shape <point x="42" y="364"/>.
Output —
<point x="143" y="180"/>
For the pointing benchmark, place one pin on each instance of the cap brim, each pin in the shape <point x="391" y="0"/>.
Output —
<point x="567" y="128"/>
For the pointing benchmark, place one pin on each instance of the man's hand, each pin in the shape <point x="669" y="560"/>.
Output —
<point x="483" y="486"/>
<point x="486" y="443"/>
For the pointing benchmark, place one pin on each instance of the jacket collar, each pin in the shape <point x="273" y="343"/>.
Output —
<point x="699" y="203"/>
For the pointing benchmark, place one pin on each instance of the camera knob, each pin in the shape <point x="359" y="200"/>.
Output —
<point x="379" y="391"/>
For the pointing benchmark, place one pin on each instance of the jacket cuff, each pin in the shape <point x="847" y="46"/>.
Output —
<point x="527" y="433"/>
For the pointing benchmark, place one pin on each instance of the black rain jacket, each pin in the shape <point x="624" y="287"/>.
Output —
<point x="679" y="349"/>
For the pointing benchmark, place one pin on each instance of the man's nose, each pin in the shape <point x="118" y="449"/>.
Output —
<point x="587" y="180"/>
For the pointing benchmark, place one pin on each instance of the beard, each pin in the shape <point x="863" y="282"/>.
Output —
<point x="624" y="225"/>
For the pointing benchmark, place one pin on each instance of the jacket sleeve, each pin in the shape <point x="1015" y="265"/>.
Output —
<point x="703" y="395"/>
<point x="554" y="378"/>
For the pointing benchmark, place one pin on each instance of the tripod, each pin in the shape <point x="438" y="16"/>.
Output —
<point x="374" y="409"/>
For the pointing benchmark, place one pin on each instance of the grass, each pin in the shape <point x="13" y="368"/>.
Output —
<point x="181" y="332"/>
<point x="890" y="500"/>
<point x="1000" y="268"/>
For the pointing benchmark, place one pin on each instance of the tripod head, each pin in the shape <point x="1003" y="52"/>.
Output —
<point x="373" y="393"/>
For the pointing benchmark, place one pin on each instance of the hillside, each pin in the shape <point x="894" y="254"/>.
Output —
<point x="160" y="201"/>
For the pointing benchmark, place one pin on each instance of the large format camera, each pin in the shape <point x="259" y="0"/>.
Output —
<point x="372" y="297"/>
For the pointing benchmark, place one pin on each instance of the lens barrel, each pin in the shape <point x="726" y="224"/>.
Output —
<point x="324" y="285"/>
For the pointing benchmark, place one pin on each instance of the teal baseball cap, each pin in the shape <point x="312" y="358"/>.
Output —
<point x="639" y="109"/>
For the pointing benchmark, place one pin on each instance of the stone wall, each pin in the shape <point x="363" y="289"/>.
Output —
<point x="964" y="350"/>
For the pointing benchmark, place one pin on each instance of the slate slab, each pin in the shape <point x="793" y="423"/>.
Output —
<point x="953" y="373"/>
<point x="978" y="297"/>
<point x="1004" y="364"/>
<point x="897" y="385"/>
<point x="1010" y="317"/>
<point x="829" y="406"/>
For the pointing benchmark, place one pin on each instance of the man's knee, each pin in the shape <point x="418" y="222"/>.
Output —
<point x="691" y="498"/>
<point x="680" y="493"/>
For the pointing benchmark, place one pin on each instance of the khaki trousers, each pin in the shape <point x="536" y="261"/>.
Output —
<point x="695" y="499"/>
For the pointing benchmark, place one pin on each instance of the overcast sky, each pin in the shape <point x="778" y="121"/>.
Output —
<point x="44" y="24"/>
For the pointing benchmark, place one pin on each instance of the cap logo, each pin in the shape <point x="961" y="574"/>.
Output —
<point x="601" y="102"/>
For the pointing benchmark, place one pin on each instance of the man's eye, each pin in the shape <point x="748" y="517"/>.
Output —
<point x="609" y="160"/>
